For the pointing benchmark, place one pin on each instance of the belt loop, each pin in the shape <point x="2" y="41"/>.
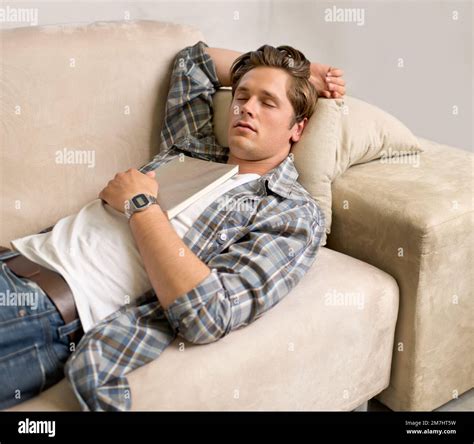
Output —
<point x="73" y="330"/>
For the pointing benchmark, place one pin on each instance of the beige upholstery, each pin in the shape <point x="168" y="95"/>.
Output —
<point x="99" y="89"/>
<point x="102" y="88"/>
<point x="369" y="133"/>
<point x="416" y="223"/>
<point x="307" y="353"/>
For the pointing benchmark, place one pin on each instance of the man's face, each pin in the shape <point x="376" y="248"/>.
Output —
<point x="269" y="114"/>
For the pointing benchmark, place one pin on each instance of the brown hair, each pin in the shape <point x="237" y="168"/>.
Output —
<point x="302" y="93"/>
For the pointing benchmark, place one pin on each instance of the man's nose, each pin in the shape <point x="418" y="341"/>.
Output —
<point x="249" y="106"/>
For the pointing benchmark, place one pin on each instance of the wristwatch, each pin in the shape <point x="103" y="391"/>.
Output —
<point x="139" y="202"/>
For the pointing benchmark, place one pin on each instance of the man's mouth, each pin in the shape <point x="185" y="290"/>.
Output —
<point x="244" y="126"/>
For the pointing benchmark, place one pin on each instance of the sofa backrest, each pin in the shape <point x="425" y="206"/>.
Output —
<point x="79" y="103"/>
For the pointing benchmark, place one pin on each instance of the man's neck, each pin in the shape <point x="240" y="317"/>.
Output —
<point x="253" y="166"/>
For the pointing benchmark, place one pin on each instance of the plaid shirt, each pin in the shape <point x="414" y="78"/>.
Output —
<point x="256" y="255"/>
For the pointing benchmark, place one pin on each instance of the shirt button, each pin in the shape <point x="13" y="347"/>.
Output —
<point x="223" y="236"/>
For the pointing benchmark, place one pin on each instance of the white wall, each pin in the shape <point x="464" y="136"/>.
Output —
<point x="434" y="47"/>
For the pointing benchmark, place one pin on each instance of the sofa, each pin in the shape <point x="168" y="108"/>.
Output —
<point x="362" y="323"/>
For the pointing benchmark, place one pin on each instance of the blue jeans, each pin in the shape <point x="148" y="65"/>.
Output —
<point x="34" y="343"/>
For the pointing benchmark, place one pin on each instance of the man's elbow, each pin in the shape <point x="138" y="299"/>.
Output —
<point x="208" y="322"/>
<point x="201" y="335"/>
<point x="200" y="339"/>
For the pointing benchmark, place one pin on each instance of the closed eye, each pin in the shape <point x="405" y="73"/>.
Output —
<point x="266" y="104"/>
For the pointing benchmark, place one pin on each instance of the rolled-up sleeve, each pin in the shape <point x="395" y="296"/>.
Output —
<point x="189" y="105"/>
<point x="249" y="278"/>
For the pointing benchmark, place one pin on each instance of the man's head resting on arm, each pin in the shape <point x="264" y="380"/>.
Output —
<point x="272" y="93"/>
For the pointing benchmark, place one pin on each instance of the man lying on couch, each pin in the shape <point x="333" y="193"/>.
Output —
<point x="132" y="279"/>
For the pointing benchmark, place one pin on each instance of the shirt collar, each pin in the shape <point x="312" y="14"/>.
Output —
<point x="282" y="178"/>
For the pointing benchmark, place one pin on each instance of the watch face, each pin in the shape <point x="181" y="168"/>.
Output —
<point x="140" y="201"/>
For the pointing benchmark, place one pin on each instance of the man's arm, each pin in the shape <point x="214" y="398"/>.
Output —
<point x="223" y="59"/>
<point x="194" y="80"/>
<point x="328" y="80"/>
<point x="252" y="275"/>
<point x="173" y="269"/>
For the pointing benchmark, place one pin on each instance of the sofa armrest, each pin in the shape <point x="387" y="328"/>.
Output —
<point x="416" y="223"/>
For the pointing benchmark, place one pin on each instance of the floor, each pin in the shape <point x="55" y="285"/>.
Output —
<point x="465" y="403"/>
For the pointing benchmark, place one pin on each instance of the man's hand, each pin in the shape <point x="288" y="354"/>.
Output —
<point x="327" y="80"/>
<point x="126" y="185"/>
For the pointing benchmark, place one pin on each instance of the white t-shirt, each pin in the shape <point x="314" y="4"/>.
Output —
<point x="94" y="250"/>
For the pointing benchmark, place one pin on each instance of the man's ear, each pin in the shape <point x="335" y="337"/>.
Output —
<point x="298" y="130"/>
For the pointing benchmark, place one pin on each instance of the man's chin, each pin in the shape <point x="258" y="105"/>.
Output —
<point x="241" y="150"/>
<point x="241" y="144"/>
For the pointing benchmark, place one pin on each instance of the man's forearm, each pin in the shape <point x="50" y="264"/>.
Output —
<point x="223" y="59"/>
<point x="172" y="267"/>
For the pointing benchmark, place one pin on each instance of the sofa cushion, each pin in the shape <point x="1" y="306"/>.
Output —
<point x="369" y="133"/>
<point x="326" y="346"/>
<point x="79" y="104"/>
<point x="315" y="155"/>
